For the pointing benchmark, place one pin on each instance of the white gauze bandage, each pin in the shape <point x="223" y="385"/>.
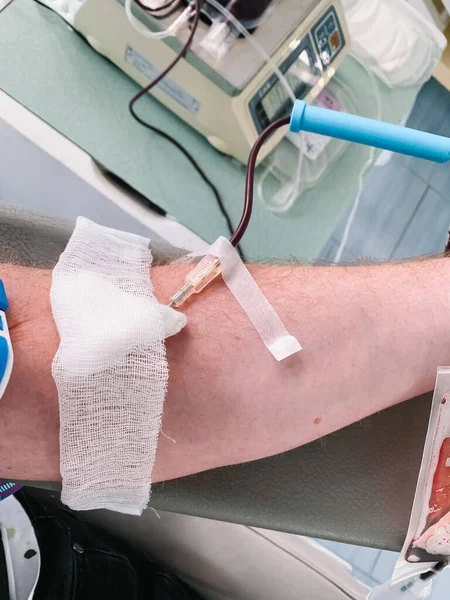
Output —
<point x="110" y="370"/>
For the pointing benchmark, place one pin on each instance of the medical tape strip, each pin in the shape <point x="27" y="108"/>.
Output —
<point x="258" y="309"/>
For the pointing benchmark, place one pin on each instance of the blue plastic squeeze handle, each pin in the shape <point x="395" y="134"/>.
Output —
<point x="369" y="132"/>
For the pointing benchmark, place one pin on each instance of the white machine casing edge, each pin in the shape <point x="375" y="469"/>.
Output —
<point x="225" y="120"/>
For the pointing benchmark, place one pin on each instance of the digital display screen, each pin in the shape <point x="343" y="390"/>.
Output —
<point x="302" y="69"/>
<point x="300" y="75"/>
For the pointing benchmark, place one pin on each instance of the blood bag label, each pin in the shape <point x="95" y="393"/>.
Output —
<point x="166" y="85"/>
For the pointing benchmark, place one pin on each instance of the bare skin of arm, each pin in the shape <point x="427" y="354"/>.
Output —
<point x="372" y="337"/>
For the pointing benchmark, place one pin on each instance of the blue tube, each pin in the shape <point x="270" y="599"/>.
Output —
<point x="369" y="132"/>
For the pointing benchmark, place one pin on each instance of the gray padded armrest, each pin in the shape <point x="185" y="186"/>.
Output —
<point x="355" y="485"/>
<point x="31" y="239"/>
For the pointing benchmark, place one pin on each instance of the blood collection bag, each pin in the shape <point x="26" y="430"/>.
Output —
<point x="427" y="543"/>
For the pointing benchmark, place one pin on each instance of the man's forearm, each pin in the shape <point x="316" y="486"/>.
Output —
<point x="372" y="336"/>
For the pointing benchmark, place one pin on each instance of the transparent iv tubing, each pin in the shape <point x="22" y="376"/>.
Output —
<point x="156" y="35"/>
<point x="303" y="175"/>
<point x="238" y="25"/>
<point x="291" y="188"/>
<point x="366" y="166"/>
<point x="287" y="194"/>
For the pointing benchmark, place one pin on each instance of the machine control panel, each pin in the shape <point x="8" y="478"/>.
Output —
<point x="302" y="69"/>
<point x="328" y="37"/>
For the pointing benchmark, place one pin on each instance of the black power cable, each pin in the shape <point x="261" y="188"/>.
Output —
<point x="169" y="138"/>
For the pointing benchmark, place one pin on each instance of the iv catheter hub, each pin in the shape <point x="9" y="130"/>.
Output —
<point x="369" y="132"/>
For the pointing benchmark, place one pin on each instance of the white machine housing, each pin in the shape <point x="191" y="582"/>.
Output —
<point x="232" y="99"/>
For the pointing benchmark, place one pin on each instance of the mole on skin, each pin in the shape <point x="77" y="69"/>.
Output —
<point x="317" y="420"/>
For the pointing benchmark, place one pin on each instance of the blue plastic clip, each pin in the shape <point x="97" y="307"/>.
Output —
<point x="369" y="132"/>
